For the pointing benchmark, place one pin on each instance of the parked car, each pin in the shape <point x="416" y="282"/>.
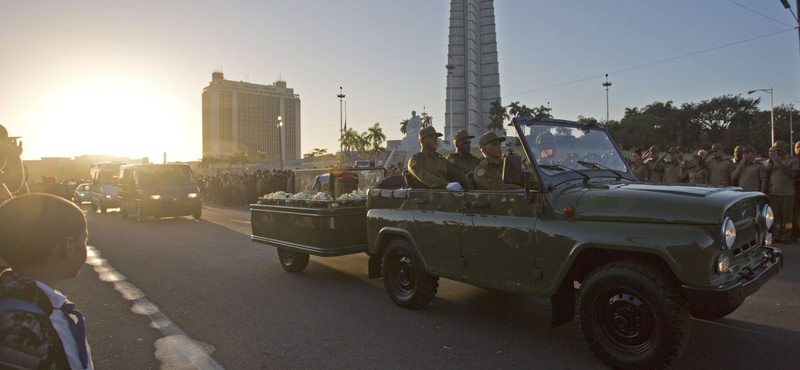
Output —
<point x="81" y="194"/>
<point x="103" y="185"/>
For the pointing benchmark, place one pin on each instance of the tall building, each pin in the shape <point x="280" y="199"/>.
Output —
<point x="244" y="116"/>
<point x="475" y="81"/>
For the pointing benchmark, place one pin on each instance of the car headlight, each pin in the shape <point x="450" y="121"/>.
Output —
<point x="155" y="197"/>
<point x="768" y="216"/>
<point x="723" y="263"/>
<point x="728" y="233"/>
<point x="107" y="196"/>
<point x="193" y="195"/>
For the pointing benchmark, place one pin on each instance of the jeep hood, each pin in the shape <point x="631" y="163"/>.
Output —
<point x="658" y="203"/>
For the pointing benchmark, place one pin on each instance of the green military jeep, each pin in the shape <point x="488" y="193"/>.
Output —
<point x="632" y="260"/>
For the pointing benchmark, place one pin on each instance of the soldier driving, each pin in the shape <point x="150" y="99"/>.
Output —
<point x="429" y="169"/>
<point x="547" y="146"/>
<point x="462" y="159"/>
<point x="489" y="173"/>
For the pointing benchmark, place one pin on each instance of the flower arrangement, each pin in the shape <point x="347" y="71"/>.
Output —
<point x="318" y="200"/>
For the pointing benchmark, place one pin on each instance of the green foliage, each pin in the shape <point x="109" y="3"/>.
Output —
<point x="426" y="120"/>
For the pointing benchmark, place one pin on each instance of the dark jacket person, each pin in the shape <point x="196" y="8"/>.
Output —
<point x="489" y="173"/>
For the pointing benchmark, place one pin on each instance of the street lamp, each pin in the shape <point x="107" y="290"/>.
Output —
<point x="771" y="110"/>
<point x="606" y="84"/>
<point x="341" y="129"/>
<point x="787" y="6"/>
<point x="450" y="67"/>
<point x="280" y="140"/>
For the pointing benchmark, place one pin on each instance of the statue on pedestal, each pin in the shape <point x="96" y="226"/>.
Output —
<point x="410" y="143"/>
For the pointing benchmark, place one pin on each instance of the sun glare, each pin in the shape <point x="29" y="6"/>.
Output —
<point x="114" y="117"/>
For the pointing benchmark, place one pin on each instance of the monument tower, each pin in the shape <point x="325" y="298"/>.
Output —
<point x="475" y="81"/>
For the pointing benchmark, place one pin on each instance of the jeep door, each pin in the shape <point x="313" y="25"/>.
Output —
<point x="438" y="227"/>
<point x="498" y="245"/>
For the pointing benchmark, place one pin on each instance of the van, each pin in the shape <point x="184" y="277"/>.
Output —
<point x="158" y="190"/>
<point x="103" y="185"/>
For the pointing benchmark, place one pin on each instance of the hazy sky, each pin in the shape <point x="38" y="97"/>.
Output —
<point x="125" y="78"/>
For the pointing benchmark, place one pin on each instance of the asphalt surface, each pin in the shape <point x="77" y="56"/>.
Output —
<point x="186" y="294"/>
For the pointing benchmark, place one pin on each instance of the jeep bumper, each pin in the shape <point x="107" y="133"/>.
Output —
<point x="733" y="294"/>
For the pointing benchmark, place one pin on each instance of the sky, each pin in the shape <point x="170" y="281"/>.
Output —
<point x="126" y="78"/>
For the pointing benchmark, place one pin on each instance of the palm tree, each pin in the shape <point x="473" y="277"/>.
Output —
<point x="376" y="137"/>
<point x="349" y="139"/>
<point x="497" y="114"/>
<point x="517" y="110"/>
<point x="425" y="120"/>
<point x="403" y="125"/>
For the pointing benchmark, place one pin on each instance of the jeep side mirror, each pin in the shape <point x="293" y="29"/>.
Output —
<point x="512" y="169"/>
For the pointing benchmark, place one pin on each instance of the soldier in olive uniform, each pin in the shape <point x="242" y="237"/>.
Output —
<point x="656" y="163"/>
<point x="782" y="171"/>
<point x="489" y="173"/>
<point x="430" y="169"/>
<point x="720" y="168"/>
<point x="694" y="171"/>
<point x="749" y="175"/>
<point x="546" y="143"/>
<point x="462" y="159"/>
<point x="640" y="170"/>
<point x="672" y="169"/>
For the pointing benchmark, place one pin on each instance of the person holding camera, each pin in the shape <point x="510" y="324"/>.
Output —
<point x="12" y="175"/>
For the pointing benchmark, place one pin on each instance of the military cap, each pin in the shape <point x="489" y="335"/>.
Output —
<point x="427" y="131"/>
<point x="545" y="138"/>
<point x="673" y="149"/>
<point x="655" y="148"/>
<point x="462" y="134"/>
<point x="780" y="144"/>
<point x="749" y="148"/>
<point x="489" y="137"/>
<point x="4" y="133"/>
<point x="717" y="147"/>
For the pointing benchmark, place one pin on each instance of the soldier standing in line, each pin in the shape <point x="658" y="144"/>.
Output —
<point x="640" y="170"/>
<point x="782" y="171"/>
<point x="694" y="171"/>
<point x="654" y="159"/>
<point x="462" y="159"/>
<point x="489" y="173"/>
<point x="429" y="169"/>
<point x="673" y="173"/>
<point x="719" y="167"/>
<point x="749" y="175"/>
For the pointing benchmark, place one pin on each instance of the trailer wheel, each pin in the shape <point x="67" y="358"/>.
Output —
<point x="406" y="281"/>
<point x="633" y="317"/>
<point x="293" y="261"/>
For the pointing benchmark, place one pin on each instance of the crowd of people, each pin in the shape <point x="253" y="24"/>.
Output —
<point x="245" y="188"/>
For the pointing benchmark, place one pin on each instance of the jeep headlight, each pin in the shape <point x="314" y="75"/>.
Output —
<point x="728" y="233"/>
<point x="108" y="196"/>
<point x="768" y="216"/>
<point x="155" y="197"/>
<point x="723" y="263"/>
<point x="193" y="195"/>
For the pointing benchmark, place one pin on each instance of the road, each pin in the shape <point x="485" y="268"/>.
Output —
<point x="187" y="294"/>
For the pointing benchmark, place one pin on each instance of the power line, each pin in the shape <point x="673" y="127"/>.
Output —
<point x="610" y="73"/>
<point x="772" y="19"/>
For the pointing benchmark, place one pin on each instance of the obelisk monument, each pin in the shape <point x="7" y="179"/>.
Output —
<point x="475" y="80"/>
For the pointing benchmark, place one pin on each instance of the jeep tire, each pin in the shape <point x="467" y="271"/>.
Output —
<point x="293" y="261"/>
<point x="406" y="281"/>
<point x="713" y="313"/>
<point x="632" y="316"/>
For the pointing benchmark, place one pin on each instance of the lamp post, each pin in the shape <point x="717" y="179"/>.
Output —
<point x="771" y="110"/>
<point x="340" y="96"/>
<point x="606" y="84"/>
<point x="787" y="6"/>
<point x="450" y="67"/>
<point x="280" y="140"/>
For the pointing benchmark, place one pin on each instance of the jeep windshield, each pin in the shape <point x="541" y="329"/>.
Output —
<point x="570" y="148"/>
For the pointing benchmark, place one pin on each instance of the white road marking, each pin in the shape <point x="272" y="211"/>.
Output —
<point x="241" y="222"/>
<point x="176" y="350"/>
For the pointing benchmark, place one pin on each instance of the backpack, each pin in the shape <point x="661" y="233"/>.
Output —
<point x="13" y="304"/>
